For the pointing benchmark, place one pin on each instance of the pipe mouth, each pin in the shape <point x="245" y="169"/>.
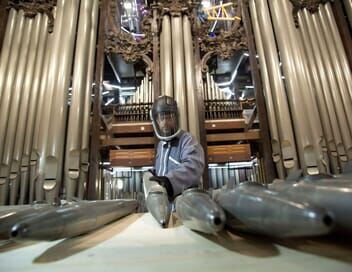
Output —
<point x="328" y="220"/>
<point x="163" y="223"/>
<point x="18" y="230"/>
<point x="217" y="221"/>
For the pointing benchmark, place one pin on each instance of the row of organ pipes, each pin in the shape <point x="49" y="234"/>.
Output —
<point x="44" y="141"/>
<point x="310" y="110"/>
<point x="217" y="104"/>
<point x="137" y="106"/>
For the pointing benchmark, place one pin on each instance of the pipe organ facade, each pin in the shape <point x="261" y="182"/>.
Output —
<point x="299" y="91"/>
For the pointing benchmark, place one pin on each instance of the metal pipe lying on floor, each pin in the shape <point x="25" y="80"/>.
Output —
<point x="72" y="219"/>
<point x="199" y="212"/>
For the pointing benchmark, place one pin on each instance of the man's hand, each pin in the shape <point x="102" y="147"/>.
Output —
<point x="165" y="182"/>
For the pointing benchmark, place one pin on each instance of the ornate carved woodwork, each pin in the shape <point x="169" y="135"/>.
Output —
<point x="173" y="7"/>
<point x="311" y="5"/>
<point x="120" y="42"/>
<point x="32" y="7"/>
<point x="224" y="44"/>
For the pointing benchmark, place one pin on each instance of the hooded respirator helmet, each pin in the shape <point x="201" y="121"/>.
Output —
<point x="164" y="115"/>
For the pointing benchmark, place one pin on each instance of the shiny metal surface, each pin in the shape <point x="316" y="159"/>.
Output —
<point x="253" y="208"/>
<point x="332" y="195"/>
<point x="156" y="200"/>
<point x="72" y="219"/>
<point x="199" y="212"/>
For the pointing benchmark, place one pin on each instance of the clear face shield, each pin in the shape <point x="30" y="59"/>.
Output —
<point x="166" y="123"/>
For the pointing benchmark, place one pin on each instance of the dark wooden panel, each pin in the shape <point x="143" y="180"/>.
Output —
<point x="229" y="153"/>
<point x="3" y="20"/>
<point x="224" y="124"/>
<point x="132" y="127"/>
<point x="128" y="141"/>
<point x="226" y="137"/>
<point x="132" y="157"/>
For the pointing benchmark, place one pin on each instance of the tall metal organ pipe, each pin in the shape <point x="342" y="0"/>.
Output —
<point x="14" y="103"/>
<point x="32" y="111"/>
<point x="6" y="46"/>
<point x="166" y="57"/>
<point x="306" y="92"/>
<point x="178" y="69"/>
<point x="6" y="97"/>
<point x="19" y="130"/>
<point x="323" y="79"/>
<point x="313" y="21"/>
<point x="288" y="147"/>
<point x="318" y="94"/>
<point x="340" y="65"/>
<point x="75" y="118"/>
<point x="57" y="126"/>
<point x="274" y="132"/>
<point x="87" y="101"/>
<point x="192" y="101"/>
<point x="304" y="140"/>
<point x="50" y="84"/>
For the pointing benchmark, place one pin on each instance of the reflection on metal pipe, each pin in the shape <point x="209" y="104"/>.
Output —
<point x="166" y="62"/>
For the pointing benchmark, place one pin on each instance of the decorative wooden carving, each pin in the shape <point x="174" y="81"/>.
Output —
<point x="224" y="44"/>
<point x="32" y="7"/>
<point x="176" y="7"/>
<point x="120" y="42"/>
<point x="311" y="5"/>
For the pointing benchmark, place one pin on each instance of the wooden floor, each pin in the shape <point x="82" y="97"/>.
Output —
<point x="137" y="243"/>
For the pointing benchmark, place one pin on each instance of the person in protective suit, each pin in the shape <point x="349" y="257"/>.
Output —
<point x="179" y="160"/>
